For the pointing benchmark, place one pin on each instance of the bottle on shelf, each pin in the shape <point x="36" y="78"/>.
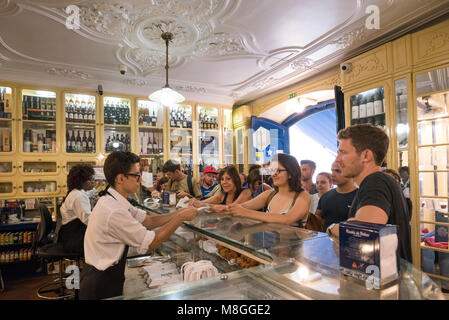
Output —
<point x="90" y="144"/>
<point x="362" y="109"/>
<point x="78" y="142"/>
<point x="84" y="143"/>
<point x="354" y="101"/>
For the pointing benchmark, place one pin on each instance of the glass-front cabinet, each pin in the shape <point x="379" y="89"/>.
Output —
<point x="117" y="126"/>
<point x="208" y="137"/>
<point x="6" y="120"/>
<point x="432" y="93"/>
<point x="80" y="123"/>
<point x="7" y="167"/>
<point x="39" y="121"/>
<point x="181" y="136"/>
<point x="228" y="138"/>
<point x="39" y="167"/>
<point x="38" y="187"/>
<point x="368" y="107"/>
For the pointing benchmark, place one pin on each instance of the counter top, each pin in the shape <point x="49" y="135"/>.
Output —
<point x="299" y="264"/>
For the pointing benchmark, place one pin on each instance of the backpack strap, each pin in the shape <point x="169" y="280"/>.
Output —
<point x="189" y="184"/>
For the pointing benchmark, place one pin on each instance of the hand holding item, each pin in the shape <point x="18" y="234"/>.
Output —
<point x="218" y="208"/>
<point x="236" y="209"/>
<point x="196" y="203"/>
<point x="155" y="194"/>
<point x="188" y="214"/>
<point x="182" y="194"/>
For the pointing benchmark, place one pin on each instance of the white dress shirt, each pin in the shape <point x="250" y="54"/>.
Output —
<point x="76" y="205"/>
<point x="113" y="224"/>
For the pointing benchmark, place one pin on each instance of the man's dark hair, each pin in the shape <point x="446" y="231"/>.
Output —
<point x="118" y="162"/>
<point x="235" y="177"/>
<point x="404" y="169"/>
<point x="160" y="183"/>
<point x="253" y="177"/>
<point x="367" y="137"/>
<point x="311" y="163"/>
<point x="171" y="166"/>
<point x="292" y="166"/>
<point x="79" y="174"/>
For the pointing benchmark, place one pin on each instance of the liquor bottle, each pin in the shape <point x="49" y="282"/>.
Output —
<point x="128" y="143"/>
<point x="370" y="108"/>
<point x="155" y="141"/>
<point x="150" y="142"/>
<point x="66" y="110"/>
<point x="78" y="142"/>
<point x="25" y="108"/>
<point x="355" y="109"/>
<point x="67" y="141"/>
<point x="90" y="143"/>
<point x="378" y="108"/>
<point x="172" y="119"/>
<point x="108" y="144"/>
<point x="107" y="113"/>
<point x="362" y="110"/>
<point x="84" y="142"/>
<point x="6" y="139"/>
<point x="154" y="118"/>
<point x="178" y="119"/>
<point x="39" y="143"/>
<point x="89" y="112"/>
<point x="71" y="110"/>
<point x="75" y="111"/>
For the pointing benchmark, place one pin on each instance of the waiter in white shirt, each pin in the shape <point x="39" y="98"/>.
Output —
<point x="115" y="224"/>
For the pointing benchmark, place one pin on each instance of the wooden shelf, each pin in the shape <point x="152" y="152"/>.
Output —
<point x="117" y="125"/>
<point x="40" y="121"/>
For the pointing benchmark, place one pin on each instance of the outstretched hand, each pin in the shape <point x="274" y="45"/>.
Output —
<point x="188" y="214"/>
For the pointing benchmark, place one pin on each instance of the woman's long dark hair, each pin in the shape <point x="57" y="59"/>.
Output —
<point x="235" y="177"/>
<point x="293" y="170"/>
<point x="78" y="174"/>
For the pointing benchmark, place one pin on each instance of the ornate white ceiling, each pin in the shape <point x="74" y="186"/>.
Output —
<point x="224" y="51"/>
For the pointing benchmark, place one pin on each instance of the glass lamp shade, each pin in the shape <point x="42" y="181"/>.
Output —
<point x="166" y="96"/>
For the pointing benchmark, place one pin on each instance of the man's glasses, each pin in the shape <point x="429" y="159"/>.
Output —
<point x="137" y="175"/>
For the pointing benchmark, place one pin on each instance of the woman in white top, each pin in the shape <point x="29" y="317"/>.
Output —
<point x="76" y="208"/>
<point x="323" y="185"/>
<point x="288" y="204"/>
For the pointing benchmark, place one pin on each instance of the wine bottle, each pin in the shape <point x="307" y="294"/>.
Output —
<point x="84" y="143"/>
<point x="67" y="141"/>
<point x="78" y="142"/>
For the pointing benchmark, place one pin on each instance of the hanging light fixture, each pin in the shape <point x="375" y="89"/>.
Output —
<point x="166" y="96"/>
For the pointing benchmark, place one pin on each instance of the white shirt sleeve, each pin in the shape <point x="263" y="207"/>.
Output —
<point x="131" y="231"/>
<point x="138" y="214"/>
<point x="81" y="207"/>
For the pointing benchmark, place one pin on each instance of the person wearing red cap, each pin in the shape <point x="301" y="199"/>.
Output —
<point x="208" y="181"/>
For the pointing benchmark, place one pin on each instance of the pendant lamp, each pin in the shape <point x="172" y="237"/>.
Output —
<point x="166" y="96"/>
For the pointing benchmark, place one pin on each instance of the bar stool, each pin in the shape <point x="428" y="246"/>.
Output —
<point x="53" y="252"/>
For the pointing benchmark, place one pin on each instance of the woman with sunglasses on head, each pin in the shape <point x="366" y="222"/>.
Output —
<point x="288" y="204"/>
<point x="76" y="209"/>
<point x="231" y="191"/>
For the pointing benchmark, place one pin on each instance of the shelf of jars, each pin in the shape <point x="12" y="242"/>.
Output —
<point x="80" y="123"/>
<point x="5" y="119"/>
<point x="7" y="167"/>
<point x="38" y="121"/>
<point x="368" y="107"/>
<point x="38" y="167"/>
<point x="117" y="128"/>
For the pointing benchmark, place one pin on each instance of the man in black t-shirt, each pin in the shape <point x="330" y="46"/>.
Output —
<point x="361" y="151"/>
<point x="334" y="205"/>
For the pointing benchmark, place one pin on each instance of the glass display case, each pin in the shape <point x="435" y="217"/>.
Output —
<point x="296" y="264"/>
<point x="368" y="107"/>
<point x="38" y="121"/>
<point x="6" y="188"/>
<point x="228" y="137"/>
<point x="80" y="121"/>
<point x="31" y="187"/>
<point x="6" y="119"/>
<point x="7" y="168"/>
<point x="117" y="128"/>
<point x="402" y="126"/>
<point x="39" y="167"/>
<point x="70" y="164"/>
<point x="181" y="136"/>
<point x="208" y="137"/>
<point x="432" y="104"/>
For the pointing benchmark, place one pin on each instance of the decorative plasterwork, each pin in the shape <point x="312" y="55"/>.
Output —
<point x="220" y="45"/>
<point x="301" y="64"/>
<point x="70" y="73"/>
<point x="188" y="88"/>
<point x="136" y="82"/>
<point x="437" y="41"/>
<point x="8" y="8"/>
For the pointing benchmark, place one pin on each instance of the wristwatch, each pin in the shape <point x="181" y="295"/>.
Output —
<point x="328" y="230"/>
